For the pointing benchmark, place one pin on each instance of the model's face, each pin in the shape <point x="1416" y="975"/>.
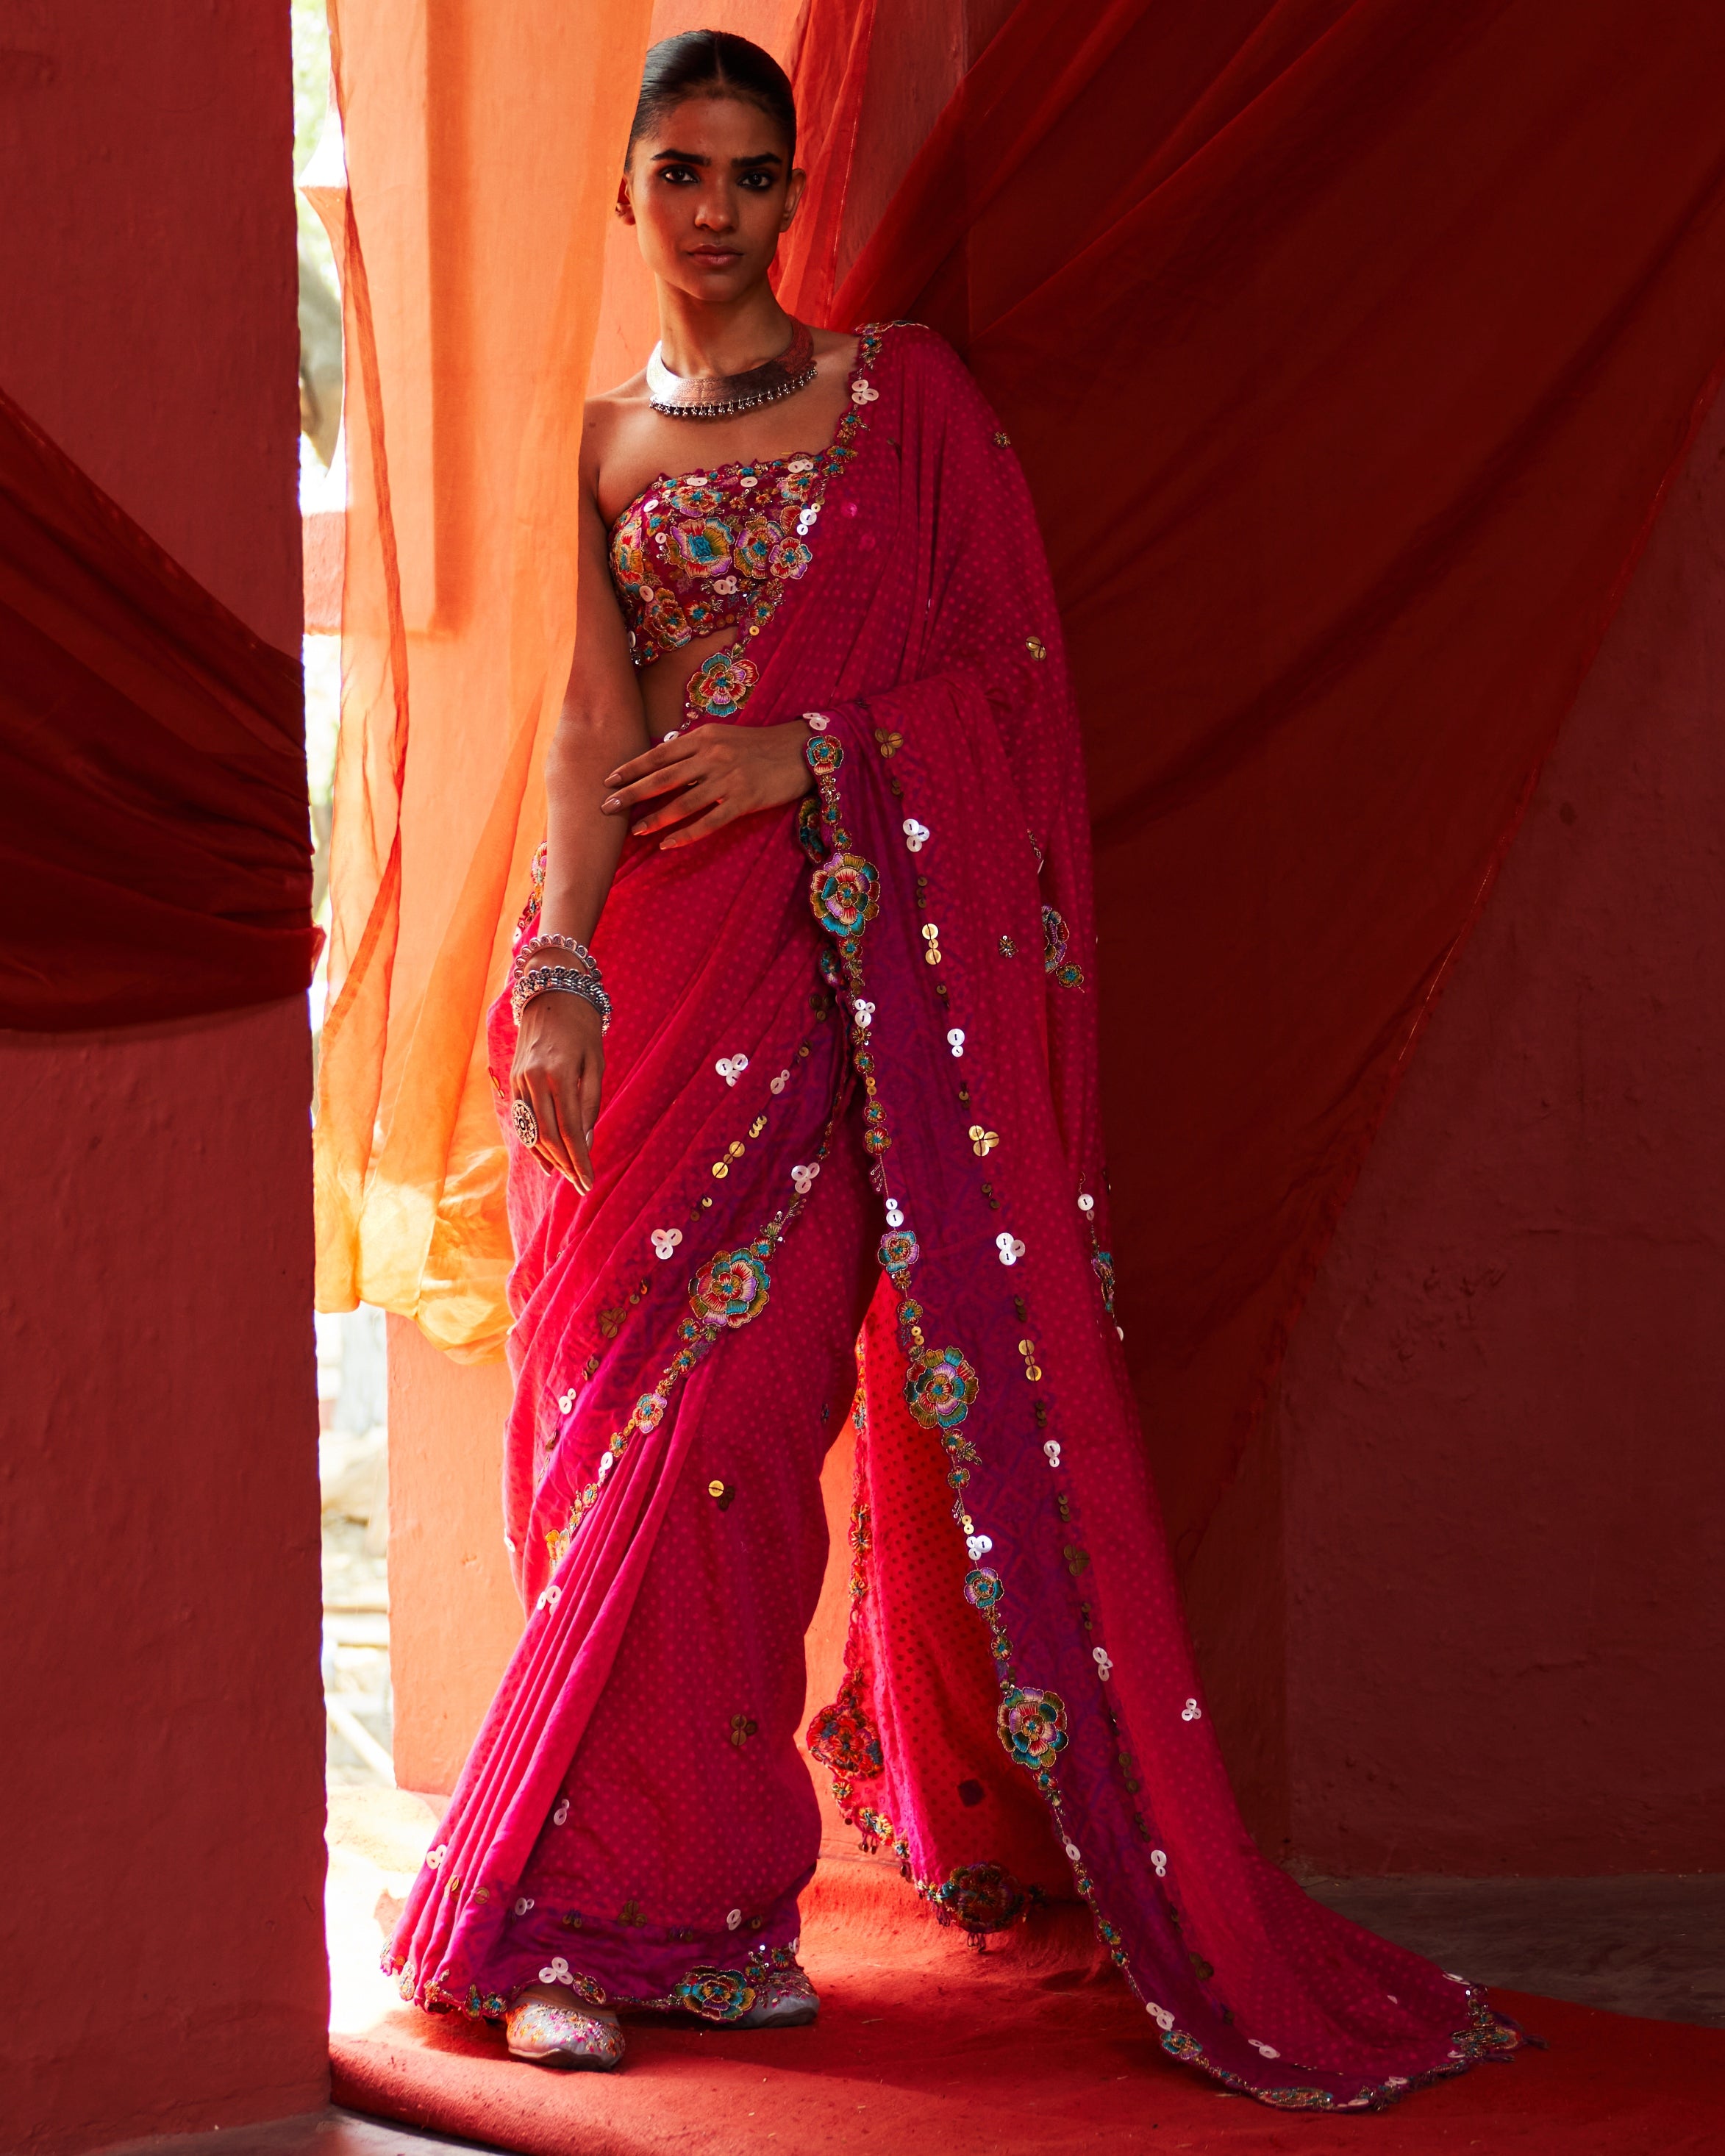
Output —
<point x="709" y="189"/>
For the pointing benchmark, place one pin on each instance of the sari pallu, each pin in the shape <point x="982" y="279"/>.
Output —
<point x="1019" y="1709"/>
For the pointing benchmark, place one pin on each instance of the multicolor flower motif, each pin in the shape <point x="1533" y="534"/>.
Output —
<point x="982" y="1898"/>
<point x="716" y="1994"/>
<point x="939" y="1387"/>
<point x="898" y="1250"/>
<point x="719" y="685"/>
<point x="718" y="548"/>
<point x="732" y="1288"/>
<point x="1057" y="938"/>
<point x="1032" y="1726"/>
<point x="843" y="1737"/>
<point x="983" y="1588"/>
<point x="844" y="891"/>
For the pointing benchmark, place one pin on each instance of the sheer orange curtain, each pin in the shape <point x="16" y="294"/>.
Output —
<point x="485" y="279"/>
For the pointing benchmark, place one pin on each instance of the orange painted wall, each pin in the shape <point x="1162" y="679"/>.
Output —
<point x="163" y="1797"/>
<point x="453" y="1615"/>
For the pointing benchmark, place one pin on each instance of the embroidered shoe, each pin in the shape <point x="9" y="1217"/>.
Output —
<point x="784" y="1999"/>
<point x="546" y="2033"/>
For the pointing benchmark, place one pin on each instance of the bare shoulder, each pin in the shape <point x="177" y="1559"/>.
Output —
<point x="835" y="351"/>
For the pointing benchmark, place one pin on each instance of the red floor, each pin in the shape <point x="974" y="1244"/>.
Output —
<point x="926" y="2047"/>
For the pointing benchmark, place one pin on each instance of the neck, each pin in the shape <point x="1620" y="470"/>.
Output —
<point x="697" y="337"/>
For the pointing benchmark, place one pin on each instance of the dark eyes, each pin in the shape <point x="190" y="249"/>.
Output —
<point x="685" y="176"/>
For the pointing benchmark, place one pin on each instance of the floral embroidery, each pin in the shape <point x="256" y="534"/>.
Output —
<point x="732" y="1288"/>
<point x="808" y="829"/>
<point x="718" y="548"/>
<point x="983" y="1588"/>
<point x="716" y="1994"/>
<point x="982" y="1898"/>
<point x="1033" y="1726"/>
<point x="841" y="1737"/>
<point x="719" y="685"/>
<point x="1056" y="939"/>
<point x="703" y="549"/>
<point x="844" y="894"/>
<point x="939" y="1387"/>
<point x="898" y="1250"/>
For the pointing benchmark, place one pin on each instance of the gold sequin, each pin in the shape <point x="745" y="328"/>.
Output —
<point x="1036" y="647"/>
<point x="1004" y="441"/>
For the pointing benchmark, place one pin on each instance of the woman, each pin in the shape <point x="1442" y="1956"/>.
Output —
<point x="816" y="803"/>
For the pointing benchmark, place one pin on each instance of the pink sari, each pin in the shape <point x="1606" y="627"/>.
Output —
<point x="894" y="995"/>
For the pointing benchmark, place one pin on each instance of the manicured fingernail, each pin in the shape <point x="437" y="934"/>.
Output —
<point x="610" y="802"/>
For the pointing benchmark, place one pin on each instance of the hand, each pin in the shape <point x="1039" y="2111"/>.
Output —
<point x="559" y="1064"/>
<point x="714" y="774"/>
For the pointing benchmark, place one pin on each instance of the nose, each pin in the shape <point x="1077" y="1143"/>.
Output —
<point x="714" y="212"/>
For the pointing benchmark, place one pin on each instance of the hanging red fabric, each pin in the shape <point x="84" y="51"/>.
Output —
<point x="155" y="852"/>
<point x="1348" y="346"/>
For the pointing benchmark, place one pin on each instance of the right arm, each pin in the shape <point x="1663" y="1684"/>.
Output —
<point x="559" y="1061"/>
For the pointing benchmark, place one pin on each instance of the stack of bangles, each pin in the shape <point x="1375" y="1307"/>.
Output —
<point x="582" y="978"/>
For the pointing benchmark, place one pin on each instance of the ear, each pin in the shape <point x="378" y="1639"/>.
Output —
<point x="797" y="180"/>
<point x="625" y="207"/>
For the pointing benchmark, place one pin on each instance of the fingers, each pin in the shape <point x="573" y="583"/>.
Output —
<point x="701" y="794"/>
<point x="651" y="773"/>
<point x="586" y="1107"/>
<point x="656" y="783"/>
<point x="702" y="827"/>
<point x="552" y="1149"/>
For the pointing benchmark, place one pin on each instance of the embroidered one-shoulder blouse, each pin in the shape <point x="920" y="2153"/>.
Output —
<point x="712" y="549"/>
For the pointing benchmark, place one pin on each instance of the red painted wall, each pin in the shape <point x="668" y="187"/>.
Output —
<point x="163" y="1792"/>
<point x="1487" y="1633"/>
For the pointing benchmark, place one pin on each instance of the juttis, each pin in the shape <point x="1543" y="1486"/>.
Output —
<point x="1017" y="1631"/>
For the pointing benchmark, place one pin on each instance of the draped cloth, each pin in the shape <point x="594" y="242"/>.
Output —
<point x="1018" y="1691"/>
<point x="1347" y="345"/>
<point x="1350" y="345"/>
<point x="155" y="853"/>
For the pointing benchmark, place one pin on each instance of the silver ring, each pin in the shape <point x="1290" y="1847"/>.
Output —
<point x="526" y="1123"/>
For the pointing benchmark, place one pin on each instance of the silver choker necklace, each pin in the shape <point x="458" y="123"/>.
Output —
<point x="722" y="396"/>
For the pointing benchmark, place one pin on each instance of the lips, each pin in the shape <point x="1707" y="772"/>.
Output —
<point x="714" y="258"/>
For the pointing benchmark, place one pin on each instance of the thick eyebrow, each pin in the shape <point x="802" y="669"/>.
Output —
<point x="693" y="157"/>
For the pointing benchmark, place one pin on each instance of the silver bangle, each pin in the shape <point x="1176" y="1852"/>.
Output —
<point x="560" y="980"/>
<point x="546" y="942"/>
